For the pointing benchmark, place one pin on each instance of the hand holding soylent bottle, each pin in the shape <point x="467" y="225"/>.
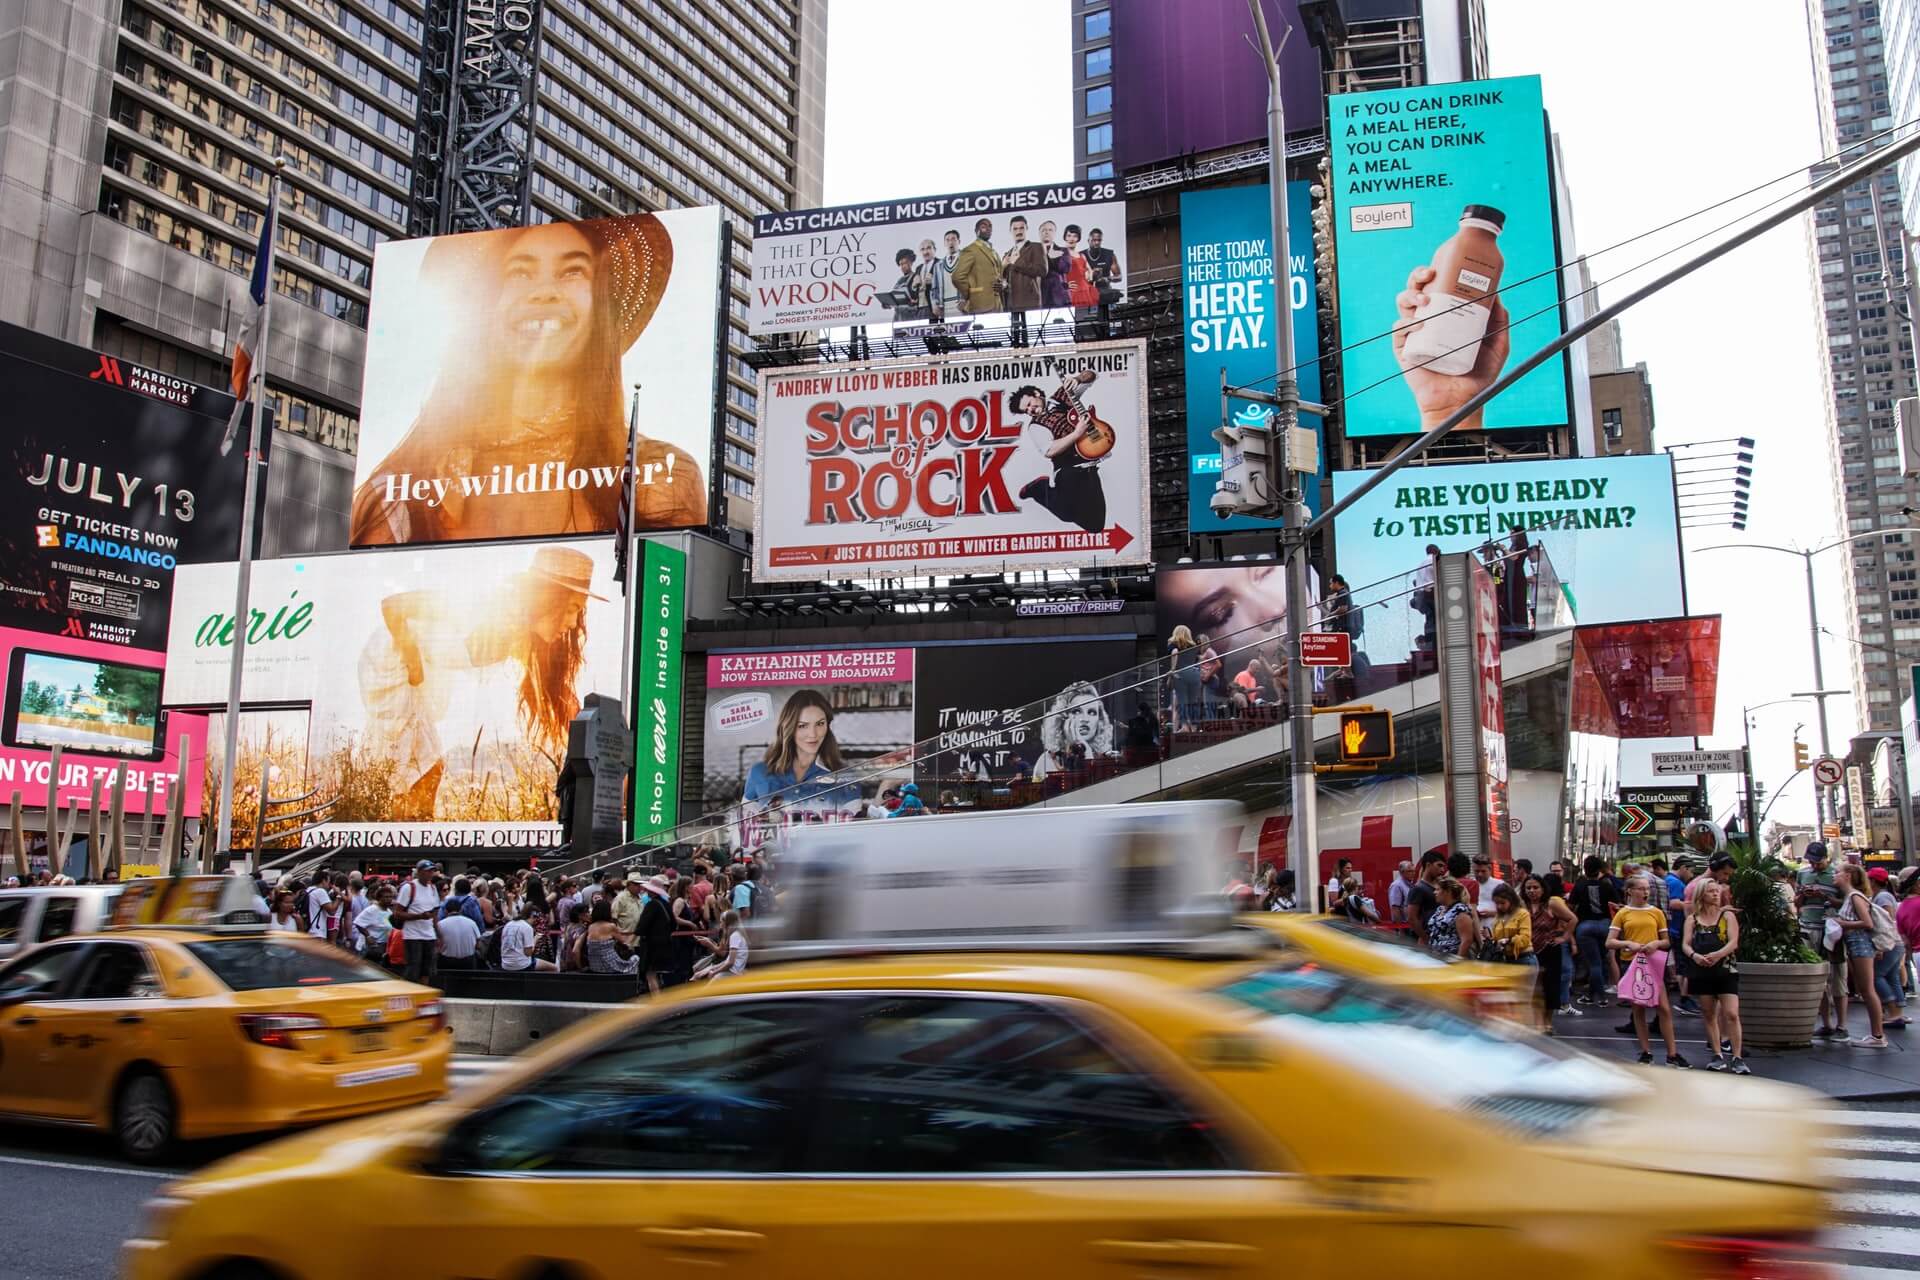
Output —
<point x="1452" y="335"/>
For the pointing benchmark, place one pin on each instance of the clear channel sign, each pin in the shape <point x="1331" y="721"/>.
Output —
<point x="1668" y="764"/>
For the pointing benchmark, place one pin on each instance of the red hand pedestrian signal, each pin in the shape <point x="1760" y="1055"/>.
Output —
<point x="1366" y="737"/>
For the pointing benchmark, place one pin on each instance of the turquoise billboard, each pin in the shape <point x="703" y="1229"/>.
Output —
<point x="1446" y="258"/>
<point x="1226" y="279"/>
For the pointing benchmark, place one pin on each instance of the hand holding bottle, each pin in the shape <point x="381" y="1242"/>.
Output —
<point x="1439" y="394"/>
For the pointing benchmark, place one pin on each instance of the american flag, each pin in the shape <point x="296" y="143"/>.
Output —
<point x="246" y="343"/>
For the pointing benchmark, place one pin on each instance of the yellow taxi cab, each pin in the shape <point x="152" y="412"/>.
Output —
<point x="1144" y="1097"/>
<point x="1487" y="990"/>
<point x="175" y="1022"/>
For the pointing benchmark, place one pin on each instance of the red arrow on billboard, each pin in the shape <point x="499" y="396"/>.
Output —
<point x="1118" y="538"/>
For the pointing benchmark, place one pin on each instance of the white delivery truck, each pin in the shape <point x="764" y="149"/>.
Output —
<point x="1103" y="875"/>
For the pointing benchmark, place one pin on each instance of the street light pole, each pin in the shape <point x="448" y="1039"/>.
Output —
<point x="1305" y="824"/>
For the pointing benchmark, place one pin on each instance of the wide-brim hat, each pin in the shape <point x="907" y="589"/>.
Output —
<point x="633" y="254"/>
<point x="565" y="567"/>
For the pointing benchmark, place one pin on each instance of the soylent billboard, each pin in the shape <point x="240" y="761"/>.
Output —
<point x="113" y="478"/>
<point x="428" y="692"/>
<point x="977" y="463"/>
<point x="1607" y="526"/>
<point x="939" y="257"/>
<point x="1446" y="254"/>
<point x="1226" y="275"/>
<point x="500" y="367"/>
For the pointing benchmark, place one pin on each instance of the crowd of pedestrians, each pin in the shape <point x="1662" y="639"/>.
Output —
<point x="658" y="926"/>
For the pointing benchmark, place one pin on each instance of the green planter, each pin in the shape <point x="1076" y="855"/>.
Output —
<point x="1780" y="1003"/>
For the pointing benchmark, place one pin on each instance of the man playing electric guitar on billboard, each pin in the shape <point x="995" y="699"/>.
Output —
<point x="1074" y="440"/>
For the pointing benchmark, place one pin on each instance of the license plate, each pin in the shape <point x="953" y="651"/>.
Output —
<point x="369" y="1039"/>
<point x="377" y="1075"/>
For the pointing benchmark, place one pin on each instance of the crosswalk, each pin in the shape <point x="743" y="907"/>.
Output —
<point x="1872" y="1159"/>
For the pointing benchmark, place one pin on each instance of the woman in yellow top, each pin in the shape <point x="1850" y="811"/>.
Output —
<point x="1511" y="928"/>
<point x="1639" y="929"/>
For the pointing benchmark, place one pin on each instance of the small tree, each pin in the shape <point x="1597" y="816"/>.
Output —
<point x="1769" y="929"/>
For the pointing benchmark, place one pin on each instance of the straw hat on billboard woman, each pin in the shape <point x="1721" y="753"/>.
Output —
<point x="540" y="318"/>
<point x="536" y="619"/>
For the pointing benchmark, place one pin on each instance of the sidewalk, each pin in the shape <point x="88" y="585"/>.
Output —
<point x="1829" y="1067"/>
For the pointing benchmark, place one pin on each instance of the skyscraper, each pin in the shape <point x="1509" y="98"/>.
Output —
<point x="1856" y="253"/>
<point x="136" y="153"/>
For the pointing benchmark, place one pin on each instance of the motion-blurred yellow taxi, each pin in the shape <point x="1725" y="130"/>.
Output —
<point x="158" y="1031"/>
<point x="1487" y="990"/>
<point x="1150" y="1096"/>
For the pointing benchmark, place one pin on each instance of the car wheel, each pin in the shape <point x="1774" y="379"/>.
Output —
<point x="144" y="1117"/>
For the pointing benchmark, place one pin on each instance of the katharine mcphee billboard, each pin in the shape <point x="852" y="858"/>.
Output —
<point x="500" y="370"/>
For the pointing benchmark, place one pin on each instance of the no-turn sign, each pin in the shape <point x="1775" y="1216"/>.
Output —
<point x="1827" y="771"/>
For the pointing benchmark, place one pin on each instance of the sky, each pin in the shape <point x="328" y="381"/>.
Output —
<point x="1640" y="102"/>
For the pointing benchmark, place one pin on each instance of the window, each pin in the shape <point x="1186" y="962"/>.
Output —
<point x="1612" y="424"/>
<point x="13" y="913"/>
<point x="716" y="1089"/>
<point x="40" y="974"/>
<point x="944" y="1085"/>
<point x="1102" y="170"/>
<point x="1099" y="63"/>
<point x="116" y="971"/>
<point x="1100" y="100"/>
<point x="57" y="920"/>
<point x="1099" y="138"/>
<point x="258" y="964"/>
<point x="1098" y="26"/>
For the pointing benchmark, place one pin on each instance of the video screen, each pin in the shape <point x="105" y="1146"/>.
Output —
<point x="82" y="704"/>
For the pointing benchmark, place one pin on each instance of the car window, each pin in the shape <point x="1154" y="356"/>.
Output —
<point x="1443" y="1058"/>
<point x="13" y="913"/>
<point x="1399" y="947"/>
<point x="56" y="921"/>
<point x="714" y="1089"/>
<point x="116" y="971"/>
<point x="36" y="976"/>
<point x="258" y="964"/>
<point x="955" y="1086"/>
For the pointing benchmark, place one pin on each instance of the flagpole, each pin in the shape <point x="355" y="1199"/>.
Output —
<point x="243" y="584"/>
<point x="629" y="583"/>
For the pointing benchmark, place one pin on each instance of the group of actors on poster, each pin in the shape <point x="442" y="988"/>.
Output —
<point x="1054" y="267"/>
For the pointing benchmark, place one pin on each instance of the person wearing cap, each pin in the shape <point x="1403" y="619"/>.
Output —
<point x="626" y="907"/>
<point x="1815" y="895"/>
<point x="1888" y="964"/>
<point x="654" y="931"/>
<point x="415" y="907"/>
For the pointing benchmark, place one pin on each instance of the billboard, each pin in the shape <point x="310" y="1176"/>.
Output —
<point x="1446" y="255"/>
<point x="1239" y="610"/>
<point x="500" y="368"/>
<point x="1189" y="84"/>
<point x="1607" y="525"/>
<point x="988" y="462"/>
<point x="995" y="708"/>
<point x="1226" y="275"/>
<point x="660" y="622"/>
<point x="939" y="257"/>
<point x="100" y="704"/>
<point x="113" y="478"/>
<point x="428" y="691"/>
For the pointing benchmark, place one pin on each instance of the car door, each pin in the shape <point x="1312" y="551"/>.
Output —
<point x="32" y="990"/>
<point x="664" y="1146"/>
<point x="968" y="1136"/>
<point x="105" y="1021"/>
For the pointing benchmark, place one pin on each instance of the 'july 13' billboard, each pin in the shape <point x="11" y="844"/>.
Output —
<point x="1226" y="276"/>
<point x="977" y="463"/>
<point x="500" y="370"/>
<point x="1447" y="260"/>
<point x="426" y="691"/>
<point x="1607" y="525"/>
<point x="939" y="257"/>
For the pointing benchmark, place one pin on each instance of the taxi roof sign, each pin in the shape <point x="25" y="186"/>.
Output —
<point x="186" y="902"/>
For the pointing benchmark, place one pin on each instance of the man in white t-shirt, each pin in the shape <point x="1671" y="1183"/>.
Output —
<point x="319" y="902"/>
<point x="516" y="948"/>
<point x="1484" y="883"/>
<point x="417" y="903"/>
<point x="459" y="939"/>
<point x="372" y="925"/>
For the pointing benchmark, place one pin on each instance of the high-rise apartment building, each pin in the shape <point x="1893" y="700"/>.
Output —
<point x="137" y="138"/>
<point x="1859" y="262"/>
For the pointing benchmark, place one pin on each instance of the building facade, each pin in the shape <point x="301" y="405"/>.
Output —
<point x="1856" y="252"/>
<point x="139" y="136"/>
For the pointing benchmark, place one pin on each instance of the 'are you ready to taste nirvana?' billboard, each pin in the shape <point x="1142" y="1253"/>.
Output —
<point x="1446" y="254"/>
<point x="426" y="691"/>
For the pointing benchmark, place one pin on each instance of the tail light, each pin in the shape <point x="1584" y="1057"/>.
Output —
<point x="433" y="1011"/>
<point x="276" y="1030"/>
<point x="1489" y="1002"/>
<point x="1749" y="1258"/>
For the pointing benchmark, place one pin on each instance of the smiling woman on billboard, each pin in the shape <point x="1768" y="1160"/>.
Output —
<point x="523" y="431"/>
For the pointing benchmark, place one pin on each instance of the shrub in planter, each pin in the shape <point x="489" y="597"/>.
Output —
<point x="1781" y="977"/>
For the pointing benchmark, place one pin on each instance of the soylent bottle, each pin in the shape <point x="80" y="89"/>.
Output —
<point x="1454" y="319"/>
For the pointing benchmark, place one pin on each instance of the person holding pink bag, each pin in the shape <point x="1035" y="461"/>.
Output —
<point x="1639" y="935"/>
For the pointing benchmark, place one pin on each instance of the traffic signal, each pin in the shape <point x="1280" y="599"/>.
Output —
<point x="1366" y="737"/>
<point x="1799" y="755"/>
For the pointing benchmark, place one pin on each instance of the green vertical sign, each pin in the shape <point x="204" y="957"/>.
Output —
<point x="658" y="673"/>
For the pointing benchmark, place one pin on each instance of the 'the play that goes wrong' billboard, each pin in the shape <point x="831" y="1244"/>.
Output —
<point x="1226" y="276"/>
<point x="1447" y="258"/>
<point x="500" y="369"/>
